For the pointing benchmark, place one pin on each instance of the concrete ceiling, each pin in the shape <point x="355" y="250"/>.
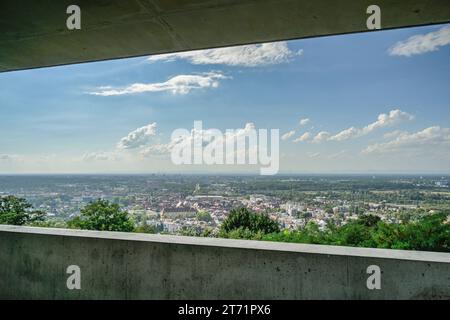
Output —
<point x="33" y="33"/>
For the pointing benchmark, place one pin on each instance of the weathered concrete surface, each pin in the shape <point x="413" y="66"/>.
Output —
<point x="34" y="34"/>
<point x="33" y="264"/>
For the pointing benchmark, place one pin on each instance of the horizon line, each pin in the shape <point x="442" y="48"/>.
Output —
<point x="366" y="173"/>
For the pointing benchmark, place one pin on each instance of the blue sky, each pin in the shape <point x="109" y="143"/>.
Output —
<point x="388" y="91"/>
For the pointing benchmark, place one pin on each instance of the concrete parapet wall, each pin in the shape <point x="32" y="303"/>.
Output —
<point x="114" y="265"/>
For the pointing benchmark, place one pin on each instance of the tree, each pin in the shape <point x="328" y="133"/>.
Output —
<point x="368" y="220"/>
<point x="53" y="223"/>
<point x="430" y="233"/>
<point x="147" y="228"/>
<point x="203" y="216"/>
<point x="248" y="221"/>
<point x="104" y="216"/>
<point x="353" y="234"/>
<point x="329" y="209"/>
<point x="18" y="211"/>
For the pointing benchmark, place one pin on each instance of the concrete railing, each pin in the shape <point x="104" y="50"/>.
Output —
<point x="112" y="265"/>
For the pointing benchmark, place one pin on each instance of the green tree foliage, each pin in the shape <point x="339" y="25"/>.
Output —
<point x="243" y="222"/>
<point x="146" y="228"/>
<point x="430" y="233"/>
<point x="368" y="220"/>
<point x="203" y="216"/>
<point x="18" y="211"/>
<point x="328" y="209"/>
<point x="104" y="216"/>
<point x="54" y="223"/>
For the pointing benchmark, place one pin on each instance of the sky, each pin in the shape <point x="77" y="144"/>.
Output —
<point x="376" y="102"/>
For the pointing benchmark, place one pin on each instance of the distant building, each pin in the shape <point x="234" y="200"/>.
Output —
<point x="171" y="227"/>
<point x="293" y="208"/>
<point x="178" y="212"/>
<point x="204" y="197"/>
<point x="442" y="184"/>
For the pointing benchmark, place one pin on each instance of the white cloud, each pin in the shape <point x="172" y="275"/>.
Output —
<point x="5" y="157"/>
<point x="304" y="122"/>
<point x="337" y="155"/>
<point x="157" y="149"/>
<point x="100" y="156"/>
<point x="432" y="137"/>
<point x="384" y="120"/>
<point x="287" y="135"/>
<point x="346" y="134"/>
<point x="321" y="136"/>
<point x="138" y="137"/>
<point x="246" y="56"/>
<point x="180" y="84"/>
<point x="11" y="158"/>
<point x="304" y="137"/>
<point x="313" y="154"/>
<point x="422" y="43"/>
<point x="188" y="140"/>
<point x="393" y="134"/>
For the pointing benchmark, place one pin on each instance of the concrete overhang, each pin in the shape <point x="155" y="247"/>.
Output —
<point x="33" y="33"/>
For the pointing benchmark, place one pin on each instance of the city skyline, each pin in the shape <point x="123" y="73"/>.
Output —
<point x="373" y="102"/>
